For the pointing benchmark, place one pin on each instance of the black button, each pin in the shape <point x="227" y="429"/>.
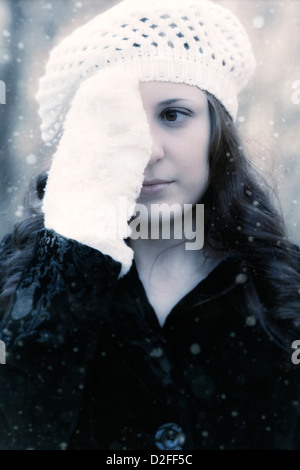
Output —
<point x="170" y="436"/>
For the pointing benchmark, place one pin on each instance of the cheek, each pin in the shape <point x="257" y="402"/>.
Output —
<point x="196" y="167"/>
<point x="190" y="152"/>
<point x="196" y="140"/>
<point x="200" y="146"/>
<point x="196" y="159"/>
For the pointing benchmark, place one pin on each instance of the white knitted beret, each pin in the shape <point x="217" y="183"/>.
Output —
<point x="196" y="42"/>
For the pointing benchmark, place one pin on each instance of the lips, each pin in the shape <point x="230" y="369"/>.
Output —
<point x="155" y="186"/>
<point x="153" y="182"/>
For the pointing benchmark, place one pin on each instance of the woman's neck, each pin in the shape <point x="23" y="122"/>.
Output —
<point x="157" y="258"/>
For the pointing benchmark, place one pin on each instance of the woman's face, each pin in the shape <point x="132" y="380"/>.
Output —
<point x="178" y="169"/>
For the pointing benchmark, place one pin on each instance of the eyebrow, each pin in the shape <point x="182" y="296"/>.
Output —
<point x="171" y="101"/>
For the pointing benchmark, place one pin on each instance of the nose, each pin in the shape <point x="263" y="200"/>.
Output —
<point x="157" y="151"/>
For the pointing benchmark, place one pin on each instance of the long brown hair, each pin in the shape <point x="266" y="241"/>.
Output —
<point x="240" y="217"/>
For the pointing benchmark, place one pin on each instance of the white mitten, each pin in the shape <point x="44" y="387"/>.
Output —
<point x="97" y="171"/>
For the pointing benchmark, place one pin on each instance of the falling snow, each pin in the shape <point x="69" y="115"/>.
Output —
<point x="250" y="321"/>
<point x="31" y="159"/>
<point x="258" y="22"/>
<point x="241" y="278"/>
<point x="195" y="348"/>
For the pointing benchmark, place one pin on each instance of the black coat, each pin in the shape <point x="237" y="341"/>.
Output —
<point x="89" y="366"/>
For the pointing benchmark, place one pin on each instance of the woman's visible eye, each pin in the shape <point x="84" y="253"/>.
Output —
<point x="174" y="116"/>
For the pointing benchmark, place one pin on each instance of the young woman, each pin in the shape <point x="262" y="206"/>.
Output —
<point x="119" y="338"/>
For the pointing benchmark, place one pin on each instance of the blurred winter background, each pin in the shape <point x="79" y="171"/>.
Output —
<point x="269" y="113"/>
